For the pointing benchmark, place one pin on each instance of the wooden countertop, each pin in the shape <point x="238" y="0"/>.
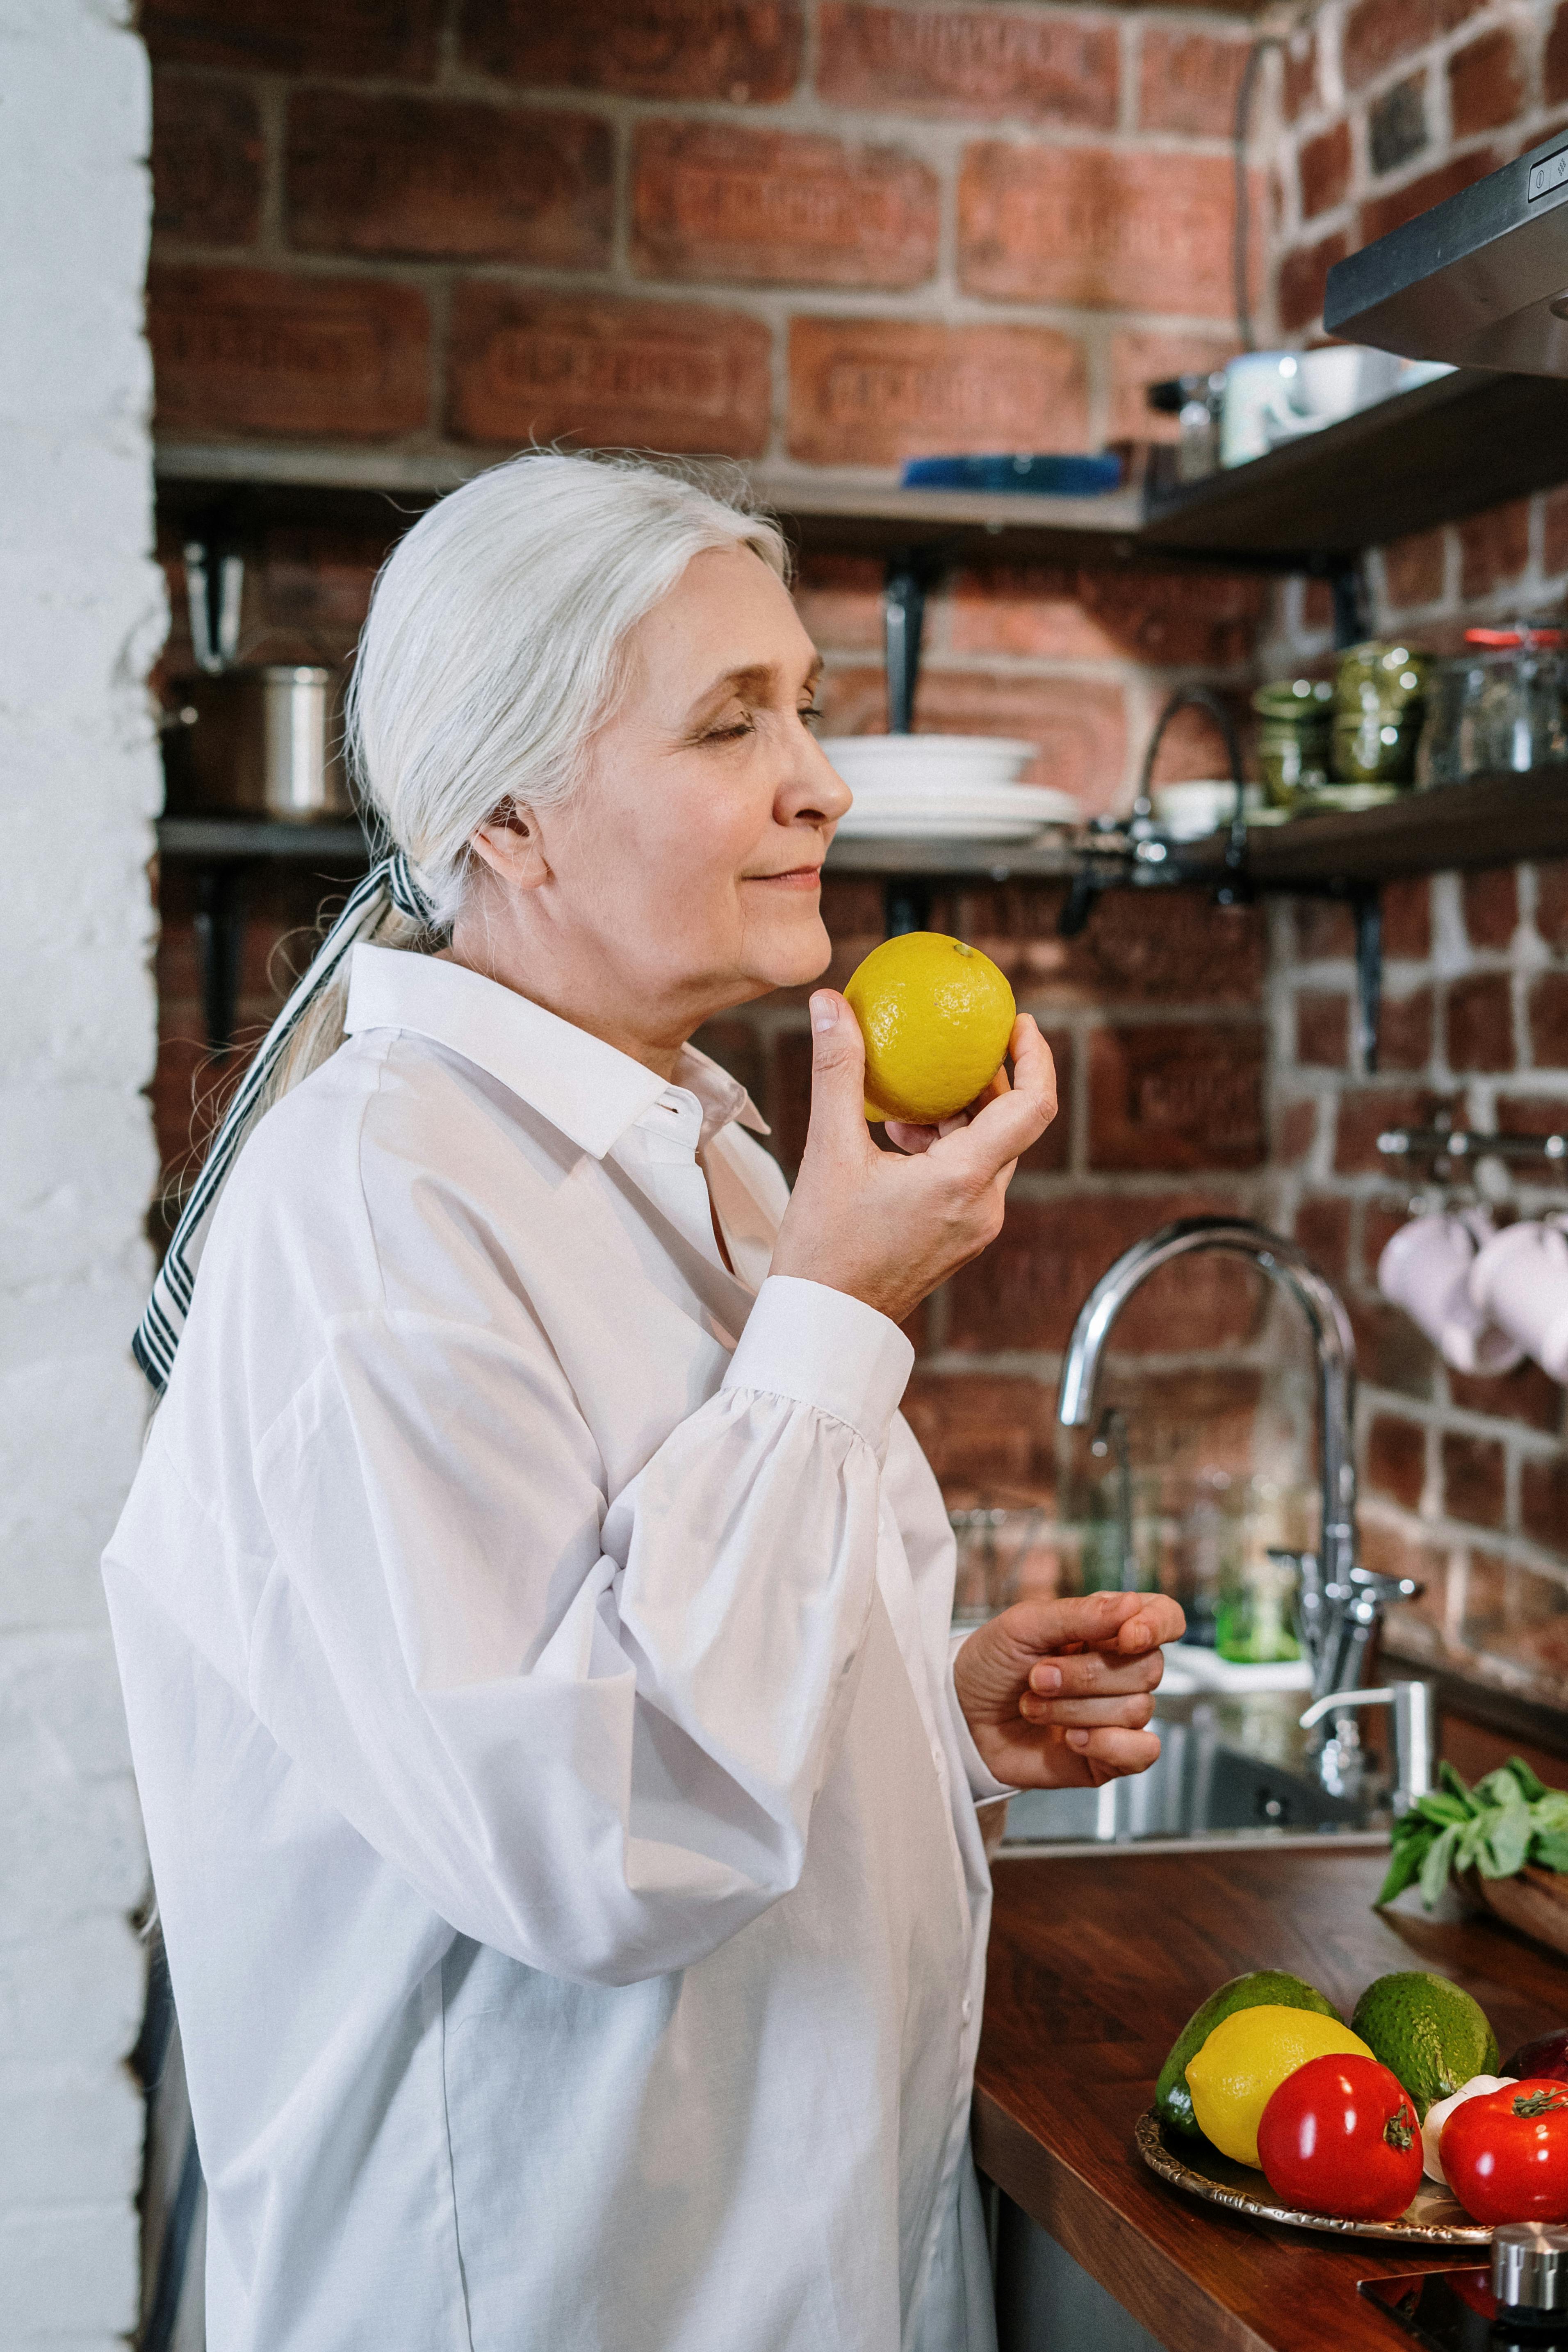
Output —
<point x="1095" y="1965"/>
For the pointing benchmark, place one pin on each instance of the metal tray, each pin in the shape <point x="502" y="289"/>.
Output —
<point x="1433" y="2218"/>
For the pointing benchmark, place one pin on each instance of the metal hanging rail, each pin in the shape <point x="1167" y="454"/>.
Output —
<point x="1465" y="1143"/>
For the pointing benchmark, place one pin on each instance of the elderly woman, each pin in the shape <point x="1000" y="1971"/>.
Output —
<point x="532" y="1611"/>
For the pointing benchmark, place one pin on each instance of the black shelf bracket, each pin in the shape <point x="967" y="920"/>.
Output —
<point x="1347" y="586"/>
<point x="1366" y="906"/>
<point x="908" y="577"/>
<point x="220" y="942"/>
<point x="906" y="898"/>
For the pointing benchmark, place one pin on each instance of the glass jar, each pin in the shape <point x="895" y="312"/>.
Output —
<point x="1380" y="702"/>
<point x="1498" y="706"/>
<point x="1370" y="749"/>
<point x="1381" y="678"/>
<point x="1255" y="1623"/>
<point x="997" y="1562"/>
<point x="1448" y="735"/>
<point x="1208" y="1540"/>
<point x="1294" y="736"/>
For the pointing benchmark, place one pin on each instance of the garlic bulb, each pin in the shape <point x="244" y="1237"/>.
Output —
<point x="1437" y="2115"/>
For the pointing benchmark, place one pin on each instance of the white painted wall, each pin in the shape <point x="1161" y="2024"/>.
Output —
<point x="81" y="615"/>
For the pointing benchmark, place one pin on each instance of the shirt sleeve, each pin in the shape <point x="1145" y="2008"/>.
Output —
<point x="589" y="1728"/>
<point x="983" y="1786"/>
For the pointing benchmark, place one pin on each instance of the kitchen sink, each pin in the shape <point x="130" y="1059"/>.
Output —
<point x="1224" y="1770"/>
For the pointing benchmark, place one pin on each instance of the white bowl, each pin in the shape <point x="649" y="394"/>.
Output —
<point x="884" y="759"/>
<point x="1038" y="802"/>
<point x="1189" y="810"/>
<point x="931" y="824"/>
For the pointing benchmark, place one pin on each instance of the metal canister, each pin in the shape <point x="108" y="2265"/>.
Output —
<point x="263" y="740"/>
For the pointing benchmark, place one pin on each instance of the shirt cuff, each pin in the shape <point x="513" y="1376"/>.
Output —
<point x="822" y="1348"/>
<point x="983" y="1786"/>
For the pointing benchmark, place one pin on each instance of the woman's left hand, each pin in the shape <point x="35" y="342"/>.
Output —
<point x="1057" y="1694"/>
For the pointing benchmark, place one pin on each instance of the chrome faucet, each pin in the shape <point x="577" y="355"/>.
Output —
<point x="1413" y="1707"/>
<point x="1340" y="1602"/>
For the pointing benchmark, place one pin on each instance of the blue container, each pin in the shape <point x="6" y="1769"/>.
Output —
<point x="1042" y="477"/>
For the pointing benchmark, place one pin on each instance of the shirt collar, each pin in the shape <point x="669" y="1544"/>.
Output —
<point x="591" y="1091"/>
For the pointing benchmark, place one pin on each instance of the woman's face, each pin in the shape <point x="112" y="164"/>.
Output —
<point x="683" y="871"/>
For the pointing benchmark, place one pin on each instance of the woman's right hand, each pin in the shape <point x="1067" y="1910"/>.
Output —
<point x="890" y="1228"/>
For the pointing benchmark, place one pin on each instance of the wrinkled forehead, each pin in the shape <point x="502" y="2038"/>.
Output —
<point x="729" y="626"/>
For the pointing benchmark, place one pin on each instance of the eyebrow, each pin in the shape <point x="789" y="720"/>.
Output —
<point x="751" y="677"/>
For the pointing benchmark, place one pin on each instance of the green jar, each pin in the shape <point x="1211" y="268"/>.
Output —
<point x="1380" y="702"/>
<point x="1294" y="736"/>
<point x="1370" y="749"/>
<point x="1296" y="701"/>
<point x="1292" y="760"/>
<point x="1387" y="678"/>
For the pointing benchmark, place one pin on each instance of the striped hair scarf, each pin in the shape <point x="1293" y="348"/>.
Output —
<point x="391" y="884"/>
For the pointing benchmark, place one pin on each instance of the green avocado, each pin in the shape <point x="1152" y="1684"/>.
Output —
<point x="1173" y="2100"/>
<point x="1428" y="2033"/>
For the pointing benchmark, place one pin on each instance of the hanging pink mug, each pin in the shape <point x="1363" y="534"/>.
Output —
<point x="1427" y="1269"/>
<point x="1519" y="1281"/>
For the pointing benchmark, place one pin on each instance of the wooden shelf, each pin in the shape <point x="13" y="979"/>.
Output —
<point x="246" y="485"/>
<point x="229" y="840"/>
<point x="1449" y="448"/>
<point x="1052" y="860"/>
<point x="1490" y="821"/>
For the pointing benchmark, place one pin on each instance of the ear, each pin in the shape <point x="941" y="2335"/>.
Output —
<point x="509" y="844"/>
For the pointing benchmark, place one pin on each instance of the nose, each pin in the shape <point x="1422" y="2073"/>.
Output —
<point x="813" y="791"/>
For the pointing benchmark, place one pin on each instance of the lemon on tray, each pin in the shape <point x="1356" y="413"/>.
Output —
<point x="1245" y="2060"/>
<point x="1259" y="1988"/>
<point x="936" y="1017"/>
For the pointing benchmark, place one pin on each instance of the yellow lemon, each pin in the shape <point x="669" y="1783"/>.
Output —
<point x="936" y="1017"/>
<point x="1243" y="2063"/>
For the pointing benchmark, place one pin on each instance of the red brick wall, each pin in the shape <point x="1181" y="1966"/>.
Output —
<point x="1385" y="107"/>
<point x="821" y="230"/>
<point x="1466" y="1483"/>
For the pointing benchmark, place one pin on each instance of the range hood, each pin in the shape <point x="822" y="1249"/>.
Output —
<point x="1481" y="280"/>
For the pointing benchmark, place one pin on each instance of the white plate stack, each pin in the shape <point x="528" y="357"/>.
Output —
<point x="943" y="788"/>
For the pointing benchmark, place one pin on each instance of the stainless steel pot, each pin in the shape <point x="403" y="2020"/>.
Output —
<point x="262" y="739"/>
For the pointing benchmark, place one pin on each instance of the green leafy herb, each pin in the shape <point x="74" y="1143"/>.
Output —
<point x="1509" y="1818"/>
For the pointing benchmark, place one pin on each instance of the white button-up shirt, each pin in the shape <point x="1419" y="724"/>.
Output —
<point x="535" y="1639"/>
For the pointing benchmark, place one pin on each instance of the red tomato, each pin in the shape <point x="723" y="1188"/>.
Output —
<point x="1506" y="2153"/>
<point x="1340" y="2136"/>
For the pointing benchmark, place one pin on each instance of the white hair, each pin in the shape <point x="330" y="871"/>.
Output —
<point x="496" y="636"/>
<point x="495" y="645"/>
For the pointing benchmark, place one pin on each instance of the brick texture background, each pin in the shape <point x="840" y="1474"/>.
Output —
<point x="1385" y="106"/>
<point x="1464" y="1477"/>
<point x="827" y="233"/>
<point x="448" y="205"/>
